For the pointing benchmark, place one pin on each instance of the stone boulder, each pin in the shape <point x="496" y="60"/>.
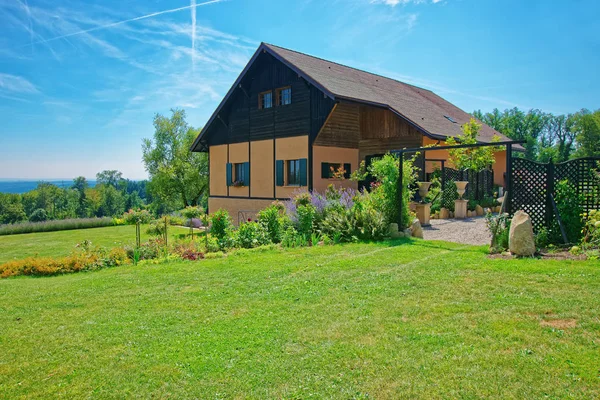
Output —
<point x="393" y="231"/>
<point x="479" y="210"/>
<point x="520" y="239"/>
<point x="444" y="213"/>
<point x="416" y="230"/>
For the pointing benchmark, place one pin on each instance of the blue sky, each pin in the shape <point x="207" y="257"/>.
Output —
<point x="80" y="81"/>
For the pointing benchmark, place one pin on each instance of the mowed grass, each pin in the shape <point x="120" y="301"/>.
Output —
<point x="386" y="320"/>
<point x="61" y="243"/>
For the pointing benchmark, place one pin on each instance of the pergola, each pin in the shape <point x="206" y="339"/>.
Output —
<point x="507" y="144"/>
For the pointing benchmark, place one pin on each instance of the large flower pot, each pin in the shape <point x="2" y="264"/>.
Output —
<point x="423" y="189"/>
<point x="461" y="187"/>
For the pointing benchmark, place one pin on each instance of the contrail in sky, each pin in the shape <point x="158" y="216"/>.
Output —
<point x="193" y="7"/>
<point x="97" y="28"/>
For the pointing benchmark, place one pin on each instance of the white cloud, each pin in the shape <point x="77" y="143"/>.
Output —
<point x="16" y="84"/>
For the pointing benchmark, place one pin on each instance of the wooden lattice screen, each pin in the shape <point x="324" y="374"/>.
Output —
<point x="532" y="182"/>
<point x="481" y="184"/>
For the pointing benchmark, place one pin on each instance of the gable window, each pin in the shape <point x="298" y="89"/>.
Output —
<point x="293" y="172"/>
<point x="265" y="100"/>
<point x="284" y="96"/>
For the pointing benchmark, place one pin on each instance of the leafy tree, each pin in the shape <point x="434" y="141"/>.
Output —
<point x="38" y="215"/>
<point x="11" y="209"/>
<point x="176" y="173"/>
<point x="474" y="158"/>
<point x="80" y="184"/>
<point x="587" y="130"/>
<point x="109" y="177"/>
<point x="112" y="201"/>
<point x="190" y="213"/>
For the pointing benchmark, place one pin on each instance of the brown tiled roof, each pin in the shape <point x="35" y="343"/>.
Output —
<point x="421" y="107"/>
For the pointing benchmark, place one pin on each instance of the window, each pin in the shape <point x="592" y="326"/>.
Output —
<point x="265" y="100"/>
<point x="335" y="170"/>
<point x="284" y="96"/>
<point x="239" y="174"/>
<point x="293" y="172"/>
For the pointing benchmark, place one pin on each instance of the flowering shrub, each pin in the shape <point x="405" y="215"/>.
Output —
<point x="274" y="221"/>
<point x="188" y="251"/>
<point x="252" y="234"/>
<point x="591" y="230"/>
<point x="221" y="227"/>
<point x="86" y="259"/>
<point x="384" y="191"/>
<point x="137" y="217"/>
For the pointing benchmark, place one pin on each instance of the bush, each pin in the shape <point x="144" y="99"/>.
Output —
<point x="38" y="215"/>
<point x="211" y="244"/>
<point x="499" y="226"/>
<point x="188" y="251"/>
<point x="55" y="225"/>
<point x="568" y="205"/>
<point x="291" y="238"/>
<point x="133" y="217"/>
<point x="147" y="251"/>
<point x="369" y="223"/>
<point x="591" y="230"/>
<point x="177" y="220"/>
<point x="384" y="191"/>
<point x="306" y="218"/>
<point x="221" y="227"/>
<point x="338" y="225"/>
<point x="252" y="234"/>
<point x="87" y="259"/>
<point x="273" y="221"/>
<point x="302" y="199"/>
<point x="156" y="228"/>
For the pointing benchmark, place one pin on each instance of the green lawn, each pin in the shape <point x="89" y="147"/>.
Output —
<point x="388" y="320"/>
<point x="61" y="243"/>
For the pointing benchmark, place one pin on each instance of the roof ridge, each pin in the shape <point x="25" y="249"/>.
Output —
<point x="347" y="66"/>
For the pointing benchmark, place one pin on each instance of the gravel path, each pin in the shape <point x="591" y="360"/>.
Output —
<point x="467" y="231"/>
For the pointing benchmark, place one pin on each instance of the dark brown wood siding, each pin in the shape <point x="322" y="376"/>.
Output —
<point x="241" y="119"/>
<point x="370" y="129"/>
<point x="342" y="129"/>
<point x="382" y="131"/>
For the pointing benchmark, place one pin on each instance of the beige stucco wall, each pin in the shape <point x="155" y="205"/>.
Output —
<point x="262" y="166"/>
<point x="248" y="207"/>
<point x="292" y="148"/>
<point x="333" y="155"/>
<point x="218" y="162"/>
<point x="500" y="167"/>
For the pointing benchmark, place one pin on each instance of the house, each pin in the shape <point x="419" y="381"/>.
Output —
<point x="291" y="120"/>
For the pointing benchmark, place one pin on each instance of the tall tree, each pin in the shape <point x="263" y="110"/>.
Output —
<point x="587" y="129"/>
<point x="176" y="173"/>
<point x="109" y="177"/>
<point x="80" y="184"/>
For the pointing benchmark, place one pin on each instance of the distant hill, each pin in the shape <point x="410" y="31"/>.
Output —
<point x="23" y="186"/>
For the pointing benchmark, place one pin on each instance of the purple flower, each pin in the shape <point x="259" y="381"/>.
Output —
<point x="319" y="202"/>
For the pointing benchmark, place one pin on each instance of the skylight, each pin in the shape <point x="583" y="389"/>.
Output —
<point x="450" y="119"/>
